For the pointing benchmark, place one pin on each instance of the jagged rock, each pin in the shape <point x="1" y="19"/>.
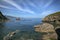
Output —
<point x="48" y="29"/>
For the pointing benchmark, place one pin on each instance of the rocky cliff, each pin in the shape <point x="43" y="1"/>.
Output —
<point x="49" y="25"/>
<point x="52" y="17"/>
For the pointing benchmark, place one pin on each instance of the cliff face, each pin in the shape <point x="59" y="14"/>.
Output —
<point x="52" y="17"/>
<point x="2" y="17"/>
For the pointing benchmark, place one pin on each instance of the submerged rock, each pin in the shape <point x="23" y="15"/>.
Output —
<point x="48" y="29"/>
<point x="10" y="35"/>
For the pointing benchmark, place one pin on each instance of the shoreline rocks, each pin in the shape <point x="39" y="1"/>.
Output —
<point x="44" y="27"/>
<point x="49" y="26"/>
<point x="48" y="29"/>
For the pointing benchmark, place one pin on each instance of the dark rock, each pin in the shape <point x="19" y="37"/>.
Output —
<point x="2" y="17"/>
<point x="58" y="33"/>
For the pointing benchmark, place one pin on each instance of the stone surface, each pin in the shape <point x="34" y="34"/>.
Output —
<point x="55" y="17"/>
<point x="45" y="27"/>
<point x="48" y="29"/>
<point x="49" y="36"/>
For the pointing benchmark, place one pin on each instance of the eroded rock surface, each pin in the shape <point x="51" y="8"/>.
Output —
<point x="45" y="27"/>
<point x="48" y="29"/>
<point x="55" y="17"/>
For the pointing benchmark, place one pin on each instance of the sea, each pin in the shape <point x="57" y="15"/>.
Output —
<point x="25" y="27"/>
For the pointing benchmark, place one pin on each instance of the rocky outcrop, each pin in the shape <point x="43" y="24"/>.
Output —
<point x="2" y="17"/>
<point x="50" y="26"/>
<point x="52" y="17"/>
<point x="48" y="29"/>
<point x="44" y="27"/>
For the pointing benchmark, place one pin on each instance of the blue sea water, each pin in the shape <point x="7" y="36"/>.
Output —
<point x="24" y="24"/>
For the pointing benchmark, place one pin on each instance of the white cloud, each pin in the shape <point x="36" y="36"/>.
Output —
<point x="19" y="7"/>
<point x="32" y="4"/>
<point x="45" y="13"/>
<point x="2" y="6"/>
<point x="48" y="3"/>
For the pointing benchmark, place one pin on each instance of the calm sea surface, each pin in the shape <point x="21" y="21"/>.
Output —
<point x="25" y="25"/>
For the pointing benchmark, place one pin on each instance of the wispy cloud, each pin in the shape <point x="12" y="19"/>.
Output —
<point x="19" y="7"/>
<point x="47" y="12"/>
<point x="32" y="4"/>
<point x="2" y="6"/>
<point x="48" y="3"/>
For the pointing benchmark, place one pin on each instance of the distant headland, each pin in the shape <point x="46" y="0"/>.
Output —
<point x="2" y="17"/>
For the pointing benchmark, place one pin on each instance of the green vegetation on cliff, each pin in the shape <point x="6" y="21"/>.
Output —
<point x="52" y="17"/>
<point x="56" y="13"/>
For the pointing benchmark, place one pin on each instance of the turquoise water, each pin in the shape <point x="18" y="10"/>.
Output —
<point x="25" y="25"/>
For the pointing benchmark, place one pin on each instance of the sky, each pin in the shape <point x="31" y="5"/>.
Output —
<point x="29" y="8"/>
